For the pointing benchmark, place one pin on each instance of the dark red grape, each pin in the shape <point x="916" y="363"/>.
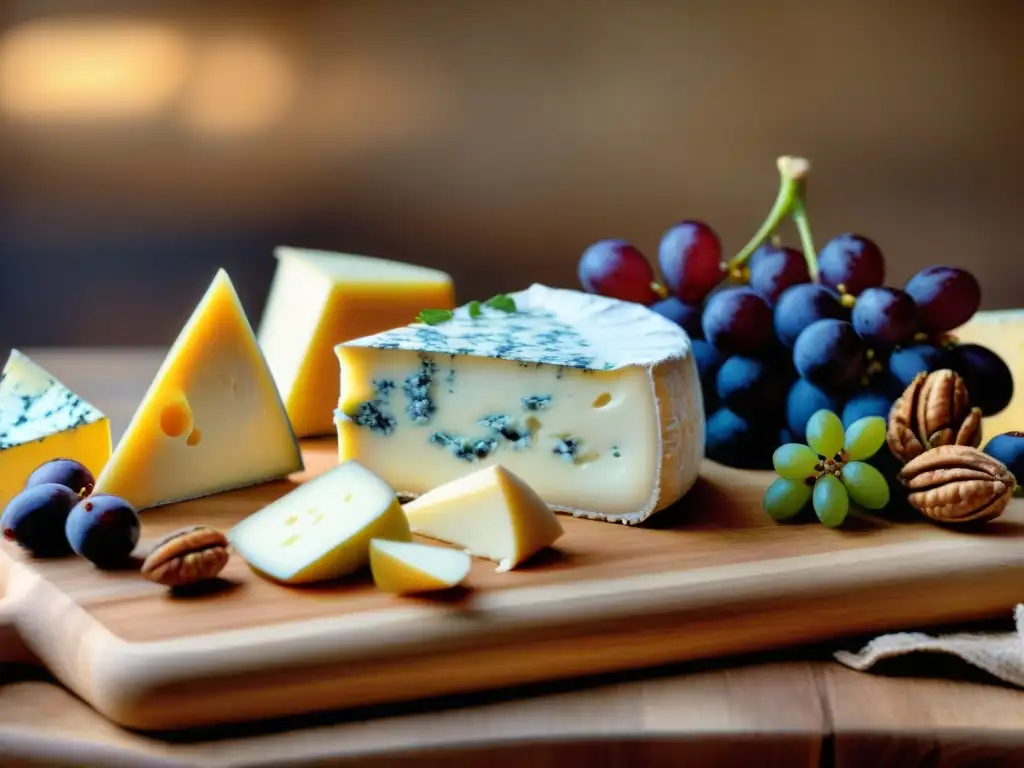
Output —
<point x="906" y="362"/>
<point x="738" y="322"/>
<point x="737" y="442"/>
<point x="104" y="530"/>
<point x="884" y="316"/>
<point x="690" y="258"/>
<point x="616" y="269"/>
<point x="776" y="269"/>
<point x="850" y="263"/>
<point x="946" y="297"/>
<point x="753" y="388"/>
<point x="802" y="305"/>
<point x="66" y="472"/>
<point x="988" y="378"/>
<point x="708" y="362"/>
<point x="687" y="316"/>
<point x="803" y="401"/>
<point x="35" y="518"/>
<point x="829" y="353"/>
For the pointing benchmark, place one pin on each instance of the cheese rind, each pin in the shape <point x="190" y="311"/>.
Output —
<point x="594" y="402"/>
<point x="491" y="513"/>
<point x="1003" y="332"/>
<point x="407" y="568"/>
<point x="322" y="529"/>
<point x="318" y="299"/>
<point x="212" y="419"/>
<point x="41" y="420"/>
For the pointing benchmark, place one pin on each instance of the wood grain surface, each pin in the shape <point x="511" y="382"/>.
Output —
<point x="776" y="709"/>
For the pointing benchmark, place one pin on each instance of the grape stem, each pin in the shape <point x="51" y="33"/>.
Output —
<point x="789" y="202"/>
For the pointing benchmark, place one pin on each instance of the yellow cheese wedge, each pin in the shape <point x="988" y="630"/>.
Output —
<point x="40" y="420"/>
<point x="321" y="530"/>
<point x="318" y="299"/>
<point x="211" y="420"/>
<point x="491" y="513"/>
<point x="406" y="568"/>
<point x="1003" y="333"/>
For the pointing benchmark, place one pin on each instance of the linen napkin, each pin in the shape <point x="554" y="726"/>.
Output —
<point x="999" y="654"/>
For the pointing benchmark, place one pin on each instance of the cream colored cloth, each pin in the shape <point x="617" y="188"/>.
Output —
<point x="999" y="654"/>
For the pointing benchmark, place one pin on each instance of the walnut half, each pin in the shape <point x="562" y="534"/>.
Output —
<point x="934" y="410"/>
<point x="957" y="484"/>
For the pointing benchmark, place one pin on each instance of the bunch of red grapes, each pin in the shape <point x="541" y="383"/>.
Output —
<point x="784" y="345"/>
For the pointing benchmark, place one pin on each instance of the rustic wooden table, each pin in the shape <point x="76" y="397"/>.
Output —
<point x="795" y="708"/>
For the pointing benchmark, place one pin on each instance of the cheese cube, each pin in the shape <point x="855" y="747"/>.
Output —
<point x="318" y="299"/>
<point x="322" y="529"/>
<point x="594" y="402"/>
<point x="40" y="420"/>
<point x="211" y="420"/>
<point x="1003" y="333"/>
<point x="491" y="513"/>
<point x="406" y="568"/>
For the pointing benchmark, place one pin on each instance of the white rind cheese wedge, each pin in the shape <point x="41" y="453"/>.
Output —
<point x="321" y="530"/>
<point x="41" y="420"/>
<point x="212" y="419"/>
<point x="407" y="568"/>
<point x="490" y="513"/>
<point x="596" y="403"/>
<point x="319" y="298"/>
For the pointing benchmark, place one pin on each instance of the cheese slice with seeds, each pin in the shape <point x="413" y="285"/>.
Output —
<point x="595" y="403"/>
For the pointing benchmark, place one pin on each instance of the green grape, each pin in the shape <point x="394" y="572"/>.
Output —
<point x="794" y="461"/>
<point x="864" y="437"/>
<point x="831" y="502"/>
<point x="867" y="486"/>
<point x="785" y="498"/>
<point x="825" y="433"/>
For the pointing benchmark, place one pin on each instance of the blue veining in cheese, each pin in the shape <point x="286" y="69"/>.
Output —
<point x="540" y="332"/>
<point x="34" y="405"/>
<point x="594" y="402"/>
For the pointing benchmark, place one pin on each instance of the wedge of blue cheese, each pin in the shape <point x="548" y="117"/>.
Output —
<point x="594" y="402"/>
<point x="40" y="420"/>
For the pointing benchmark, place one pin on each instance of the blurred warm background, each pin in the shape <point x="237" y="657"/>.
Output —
<point x="145" y="143"/>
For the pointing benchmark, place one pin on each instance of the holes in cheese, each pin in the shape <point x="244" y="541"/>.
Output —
<point x="491" y="513"/>
<point x="322" y="529"/>
<point x="406" y="568"/>
<point x="176" y="417"/>
<point x="602" y="400"/>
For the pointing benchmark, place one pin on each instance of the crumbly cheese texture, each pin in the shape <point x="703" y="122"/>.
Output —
<point x="1001" y="331"/>
<point x="319" y="298"/>
<point x="594" y="402"/>
<point x="322" y="529"/>
<point x="40" y="420"/>
<point x="408" y="568"/>
<point x="212" y="419"/>
<point x="490" y="513"/>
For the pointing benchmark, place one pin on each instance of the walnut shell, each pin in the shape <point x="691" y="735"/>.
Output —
<point x="957" y="484"/>
<point x="935" y="410"/>
<point x="187" y="556"/>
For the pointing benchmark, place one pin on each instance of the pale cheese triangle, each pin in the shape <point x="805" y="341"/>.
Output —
<point x="405" y="568"/>
<point x="212" y="419"/>
<point x="490" y="513"/>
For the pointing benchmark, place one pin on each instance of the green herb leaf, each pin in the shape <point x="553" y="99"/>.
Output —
<point x="434" y="316"/>
<point x="474" y="309"/>
<point x="502" y="302"/>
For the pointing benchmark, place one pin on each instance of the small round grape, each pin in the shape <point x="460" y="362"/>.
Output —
<point x="35" y="519"/>
<point x="104" y="530"/>
<point x="67" y="472"/>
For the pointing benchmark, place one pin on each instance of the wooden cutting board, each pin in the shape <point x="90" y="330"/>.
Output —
<point x="712" y="576"/>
